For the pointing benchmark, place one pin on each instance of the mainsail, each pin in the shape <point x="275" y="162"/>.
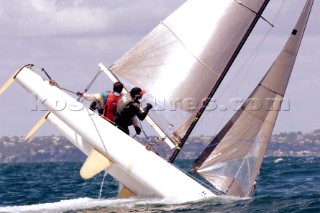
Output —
<point x="183" y="60"/>
<point x="232" y="160"/>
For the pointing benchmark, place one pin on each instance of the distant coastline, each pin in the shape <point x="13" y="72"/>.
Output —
<point x="58" y="148"/>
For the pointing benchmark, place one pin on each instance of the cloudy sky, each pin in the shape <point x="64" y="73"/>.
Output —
<point x="70" y="38"/>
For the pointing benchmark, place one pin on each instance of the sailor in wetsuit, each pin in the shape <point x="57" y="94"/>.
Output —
<point x="129" y="107"/>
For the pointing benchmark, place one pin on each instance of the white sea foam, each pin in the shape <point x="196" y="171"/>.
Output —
<point x="88" y="203"/>
<point x="65" y="205"/>
<point x="110" y="204"/>
<point x="278" y="160"/>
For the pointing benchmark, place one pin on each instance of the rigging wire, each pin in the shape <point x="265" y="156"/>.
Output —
<point x="149" y="144"/>
<point x="251" y="58"/>
<point x="54" y="83"/>
<point x="43" y="70"/>
<point x="91" y="83"/>
<point x="243" y="5"/>
<point x="97" y="130"/>
<point x="102" y="183"/>
<point x="189" y="174"/>
<point x="220" y="78"/>
<point x="95" y="126"/>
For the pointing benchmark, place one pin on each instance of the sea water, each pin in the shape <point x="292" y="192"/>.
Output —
<point x="285" y="184"/>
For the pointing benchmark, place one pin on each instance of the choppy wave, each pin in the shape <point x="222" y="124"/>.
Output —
<point x="287" y="184"/>
<point x="120" y="205"/>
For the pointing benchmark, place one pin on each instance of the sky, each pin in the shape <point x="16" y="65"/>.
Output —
<point x="70" y="38"/>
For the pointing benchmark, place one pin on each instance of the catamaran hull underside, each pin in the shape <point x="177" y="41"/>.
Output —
<point x="142" y="171"/>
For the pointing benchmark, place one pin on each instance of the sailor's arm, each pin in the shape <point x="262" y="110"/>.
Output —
<point x="142" y="114"/>
<point x="92" y="97"/>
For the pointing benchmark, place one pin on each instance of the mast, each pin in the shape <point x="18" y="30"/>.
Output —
<point x="219" y="81"/>
<point x="231" y="162"/>
<point x="197" y="43"/>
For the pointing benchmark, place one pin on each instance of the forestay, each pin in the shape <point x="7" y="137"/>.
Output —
<point x="232" y="160"/>
<point x="183" y="59"/>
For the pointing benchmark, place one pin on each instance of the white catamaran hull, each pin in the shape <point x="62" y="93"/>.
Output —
<point x="136" y="166"/>
<point x="114" y="170"/>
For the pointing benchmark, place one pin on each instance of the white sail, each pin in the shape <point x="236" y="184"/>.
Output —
<point x="232" y="160"/>
<point x="180" y="64"/>
<point x="186" y="56"/>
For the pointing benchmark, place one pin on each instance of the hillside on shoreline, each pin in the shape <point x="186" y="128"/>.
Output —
<point x="58" y="148"/>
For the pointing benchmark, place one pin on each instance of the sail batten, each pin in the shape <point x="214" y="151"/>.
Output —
<point x="233" y="55"/>
<point x="196" y="43"/>
<point x="232" y="160"/>
<point x="190" y="51"/>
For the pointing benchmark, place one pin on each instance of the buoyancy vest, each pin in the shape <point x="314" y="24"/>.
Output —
<point x="110" y="106"/>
